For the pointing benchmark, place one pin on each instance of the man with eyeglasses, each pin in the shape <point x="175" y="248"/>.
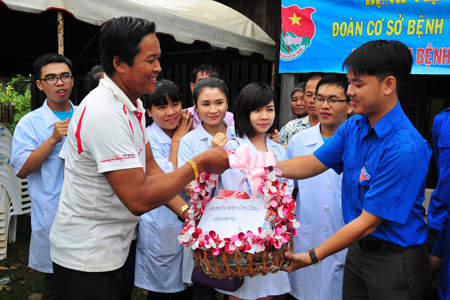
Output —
<point x="37" y="141"/>
<point x="319" y="197"/>
<point x="384" y="161"/>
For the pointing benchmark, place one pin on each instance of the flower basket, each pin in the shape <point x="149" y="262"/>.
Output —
<point x="244" y="252"/>
<point x="241" y="264"/>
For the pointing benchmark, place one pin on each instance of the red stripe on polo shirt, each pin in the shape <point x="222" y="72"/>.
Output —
<point x="124" y="109"/>
<point x="77" y="133"/>
<point x="139" y="116"/>
<point x="131" y="126"/>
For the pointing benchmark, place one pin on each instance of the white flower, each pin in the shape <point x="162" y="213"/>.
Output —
<point x="272" y="176"/>
<point x="186" y="238"/>
<point x="280" y="212"/>
<point x="259" y="248"/>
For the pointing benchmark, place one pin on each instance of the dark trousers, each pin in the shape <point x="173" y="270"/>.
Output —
<point x="431" y="239"/>
<point x="183" y="295"/>
<point x="430" y="292"/>
<point x="385" y="276"/>
<point x="77" y="285"/>
<point x="201" y="292"/>
<point x="128" y="273"/>
<point x="49" y="287"/>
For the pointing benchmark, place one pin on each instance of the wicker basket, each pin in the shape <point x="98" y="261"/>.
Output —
<point x="242" y="263"/>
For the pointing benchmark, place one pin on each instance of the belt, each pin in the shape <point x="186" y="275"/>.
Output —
<point x="380" y="246"/>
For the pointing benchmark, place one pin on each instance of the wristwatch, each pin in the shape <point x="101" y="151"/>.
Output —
<point x="314" y="259"/>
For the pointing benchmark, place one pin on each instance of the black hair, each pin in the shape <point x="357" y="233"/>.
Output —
<point x="314" y="76"/>
<point x="48" y="59"/>
<point x="93" y="77"/>
<point x="121" y="37"/>
<point x="209" y="82"/>
<point x="381" y="59"/>
<point x="339" y="80"/>
<point x="299" y="87"/>
<point x="216" y="75"/>
<point x="203" y="68"/>
<point x="164" y="89"/>
<point x="252" y="97"/>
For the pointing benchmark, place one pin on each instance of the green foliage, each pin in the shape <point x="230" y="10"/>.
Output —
<point x="18" y="95"/>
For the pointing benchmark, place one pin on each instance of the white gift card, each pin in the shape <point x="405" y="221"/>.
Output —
<point x="228" y="217"/>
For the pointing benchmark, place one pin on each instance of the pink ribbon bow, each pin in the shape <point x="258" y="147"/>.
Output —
<point x="253" y="165"/>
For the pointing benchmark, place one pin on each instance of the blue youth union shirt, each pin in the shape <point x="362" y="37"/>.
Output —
<point x="384" y="173"/>
<point x="440" y="199"/>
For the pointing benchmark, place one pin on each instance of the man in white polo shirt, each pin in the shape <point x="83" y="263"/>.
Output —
<point x="111" y="177"/>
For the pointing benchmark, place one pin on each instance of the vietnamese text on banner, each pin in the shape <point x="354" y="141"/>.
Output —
<point x="317" y="36"/>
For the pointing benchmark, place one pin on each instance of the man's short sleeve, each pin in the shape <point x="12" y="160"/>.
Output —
<point x="284" y="136"/>
<point x="111" y="145"/>
<point x="24" y="143"/>
<point x="63" y="153"/>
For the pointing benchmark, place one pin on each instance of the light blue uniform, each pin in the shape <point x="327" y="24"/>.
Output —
<point x="271" y="284"/>
<point x="44" y="184"/>
<point x="319" y="211"/>
<point x="158" y="253"/>
<point x="192" y="144"/>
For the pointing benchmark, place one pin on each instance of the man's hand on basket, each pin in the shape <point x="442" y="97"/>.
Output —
<point x="298" y="261"/>
<point x="214" y="160"/>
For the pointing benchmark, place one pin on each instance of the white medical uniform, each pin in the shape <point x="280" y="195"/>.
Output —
<point x="159" y="255"/>
<point x="319" y="211"/>
<point x="44" y="184"/>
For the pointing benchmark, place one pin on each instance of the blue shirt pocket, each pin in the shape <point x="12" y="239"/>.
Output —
<point x="444" y="152"/>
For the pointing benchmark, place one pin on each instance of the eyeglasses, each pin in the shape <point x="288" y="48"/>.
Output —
<point x="53" y="80"/>
<point x="320" y="101"/>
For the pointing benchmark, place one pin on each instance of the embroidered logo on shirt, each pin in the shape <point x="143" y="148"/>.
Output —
<point x="116" y="157"/>
<point x="364" y="175"/>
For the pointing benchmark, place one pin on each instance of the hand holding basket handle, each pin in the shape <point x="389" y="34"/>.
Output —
<point x="214" y="160"/>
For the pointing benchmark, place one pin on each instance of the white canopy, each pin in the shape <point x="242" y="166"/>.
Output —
<point x="186" y="20"/>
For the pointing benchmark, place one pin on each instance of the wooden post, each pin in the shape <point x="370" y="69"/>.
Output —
<point x="287" y="83"/>
<point x="60" y="33"/>
<point x="273" y="76"/>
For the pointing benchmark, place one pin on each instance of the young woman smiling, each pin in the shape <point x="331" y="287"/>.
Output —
<point x="158" y="253"/>
<point x="254" y="117"/>
<point x="211" y="103"/>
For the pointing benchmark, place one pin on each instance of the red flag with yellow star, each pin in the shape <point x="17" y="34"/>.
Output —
<point x="298" y="21"/>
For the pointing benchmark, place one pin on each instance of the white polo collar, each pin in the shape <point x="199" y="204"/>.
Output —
<point x="120" y="95"/>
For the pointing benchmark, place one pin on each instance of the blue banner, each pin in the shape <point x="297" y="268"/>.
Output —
<point x="317" y="36"/>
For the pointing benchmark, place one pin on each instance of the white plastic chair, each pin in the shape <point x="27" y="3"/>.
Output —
<point x="5" y="131"/>
<point x="17" y="190"/>
<point x="5" y="149"/>
<point x="5" y="217"/>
